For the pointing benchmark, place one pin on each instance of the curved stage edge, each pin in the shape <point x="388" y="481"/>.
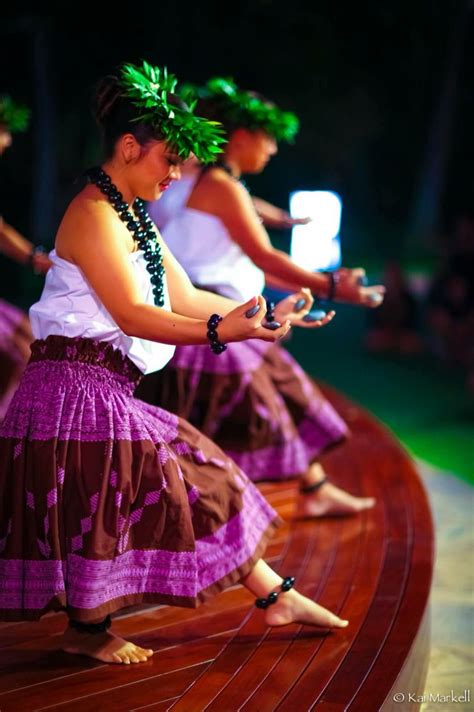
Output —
<point x="374" y="569"/>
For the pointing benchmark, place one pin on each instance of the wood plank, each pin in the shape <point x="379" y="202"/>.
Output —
<point x="253" y="631"/>
<point x="102" y="682"/>
<point x="375" y="568"/>
<point x="123" y="697"/>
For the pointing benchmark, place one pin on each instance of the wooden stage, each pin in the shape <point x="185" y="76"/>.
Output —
<point x="374" y="569"/>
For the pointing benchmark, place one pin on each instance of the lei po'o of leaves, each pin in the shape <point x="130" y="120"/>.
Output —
<point x="149" y="89"/>
<point x="244" y="108"/>
<point x="13" y="116"/>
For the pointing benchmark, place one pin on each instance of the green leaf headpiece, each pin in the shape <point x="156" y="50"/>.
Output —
<point x="244" y="108"/>
<point x="13" y="116"/>
<point x="149" y="89"/>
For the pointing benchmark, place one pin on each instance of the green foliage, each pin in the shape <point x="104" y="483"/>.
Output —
<point x="245" y="108"/>
<point x="152" y="90"/>
<point x="13" y="116"/>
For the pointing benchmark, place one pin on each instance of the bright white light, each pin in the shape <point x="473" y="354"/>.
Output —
<point x="316" y="245"/>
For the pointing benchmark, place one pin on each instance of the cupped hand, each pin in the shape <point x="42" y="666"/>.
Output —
<point x="356" y="275"/>
<point x="236" y="326"/>
<point x="349" y="290"/>
<point x="296" y="307"/>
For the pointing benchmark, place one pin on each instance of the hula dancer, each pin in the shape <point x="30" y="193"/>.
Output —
<point x="105" y="501"/>
<point x="15" y="330"/>
<point x="255" y="401"/>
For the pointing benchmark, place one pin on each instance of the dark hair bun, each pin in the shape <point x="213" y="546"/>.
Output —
<point x="107" y="95"/>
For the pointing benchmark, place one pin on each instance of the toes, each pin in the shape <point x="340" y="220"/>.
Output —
<point x="337" y="622"/>
<point x="367" y="503"/>
<point x="147" y="652"/>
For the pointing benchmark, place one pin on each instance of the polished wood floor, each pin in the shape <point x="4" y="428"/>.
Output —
<point x="374" y="569"/>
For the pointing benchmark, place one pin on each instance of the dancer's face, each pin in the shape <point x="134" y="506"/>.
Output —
<point x="5" y="138"/>
<point x="150" y="168"/>
<point x="252" y="149"/>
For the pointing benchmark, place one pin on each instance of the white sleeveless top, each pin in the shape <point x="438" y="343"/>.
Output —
<point x="69" y="307"/>
<point x="203" y="246"/>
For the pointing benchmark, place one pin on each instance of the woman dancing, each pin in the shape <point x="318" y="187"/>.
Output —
<point x="105" y="501"/>
<point x="15" y="330"/>
<point x="255" y="401"/>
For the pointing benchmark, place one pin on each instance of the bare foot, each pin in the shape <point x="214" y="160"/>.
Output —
<point x="292" y="607"/>
<point x="331" y="501"/>
<point x="106" y="647"/>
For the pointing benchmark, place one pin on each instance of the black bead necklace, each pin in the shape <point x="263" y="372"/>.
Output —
<point x="141" y="229"/>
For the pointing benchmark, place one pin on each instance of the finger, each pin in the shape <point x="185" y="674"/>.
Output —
<point x="273" y="335"/>
<point x="251" y="312"/>
<point x="318" y="323"/>
<point x="257" y="311"/>
<point x="373" y="299"/>
<point x="250" y="308"/>
<point x="304" y="302"/>
<point x="309" y="298"/>
<point x="299" y="304"/>
<point x="283" y="330"/>
<point x="315" y="315"/>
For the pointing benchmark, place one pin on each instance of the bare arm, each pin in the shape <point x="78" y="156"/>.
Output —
<point x="20" y="249"/>
<point x="13" y="244"/>
<point x="220" y="195"/>
<point x="281" y="284"/>
<point x="102" y="253"/>
<point x="274" y="217"/>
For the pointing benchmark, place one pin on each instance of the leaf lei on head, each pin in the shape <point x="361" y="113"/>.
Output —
<point x="148" y="89"/>
<point x="15" y="117"/>
<point x="245" y="108"/>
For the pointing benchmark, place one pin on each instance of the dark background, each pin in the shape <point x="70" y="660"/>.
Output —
<point x="383" y="90"/>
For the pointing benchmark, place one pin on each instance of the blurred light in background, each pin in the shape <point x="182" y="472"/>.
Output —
<point x="316" y="245"/>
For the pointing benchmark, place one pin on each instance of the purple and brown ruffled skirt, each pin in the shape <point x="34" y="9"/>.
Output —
<point x="108" y="502"/>
<point x="12" y="357"/>
<point x="254" y="400"/>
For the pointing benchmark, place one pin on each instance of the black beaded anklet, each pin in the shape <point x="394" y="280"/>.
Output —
<point x="217" y="346"/>
<point x="286" y="584"/>
<point x="309" y="489"/>
<point x="91" y="628"/>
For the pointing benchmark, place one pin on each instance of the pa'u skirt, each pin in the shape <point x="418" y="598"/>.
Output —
<point x="12" y="360"/>
<point x="106" y="501"/>
<point x="255" y="401"/>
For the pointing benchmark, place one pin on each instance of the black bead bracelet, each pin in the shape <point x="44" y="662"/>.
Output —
<point x="217" y="346"/>
<point x="286" y="584"/>
<point x="333" y="282"/>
